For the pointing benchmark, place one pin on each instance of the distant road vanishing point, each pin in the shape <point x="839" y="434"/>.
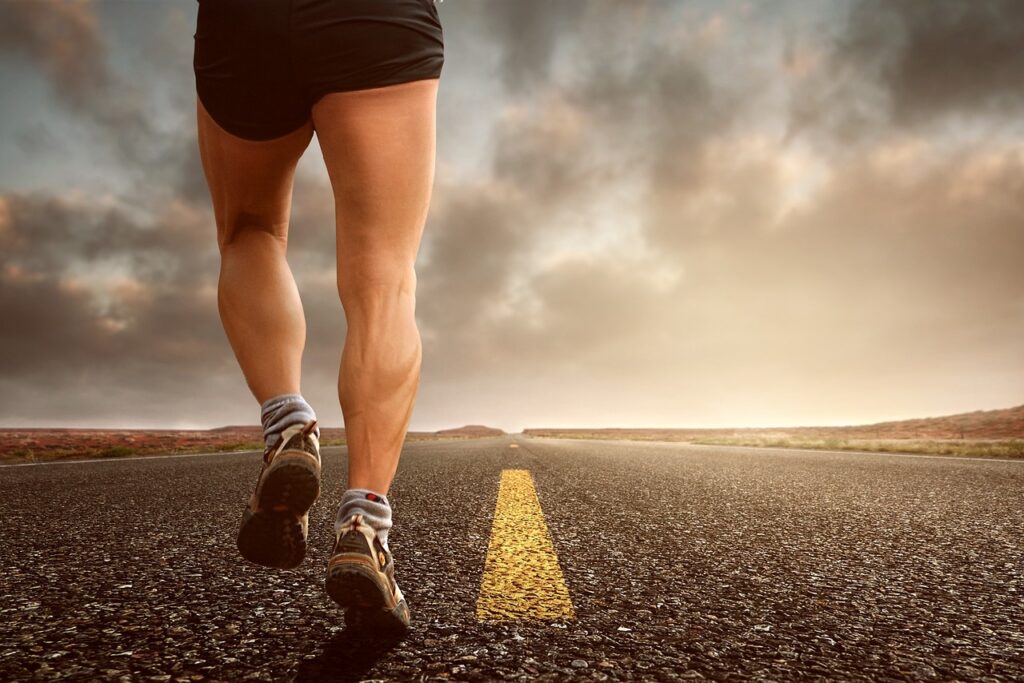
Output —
<point x="523" y="557"/>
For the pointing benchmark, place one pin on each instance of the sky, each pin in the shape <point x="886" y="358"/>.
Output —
<point x="645" y="214"/>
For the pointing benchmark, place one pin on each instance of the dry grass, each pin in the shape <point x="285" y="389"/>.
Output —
<point x="978" y="448"/>
<point x="114" y="452"/>
<point x="982" y="433"/>
<point x="1000" y="448"/>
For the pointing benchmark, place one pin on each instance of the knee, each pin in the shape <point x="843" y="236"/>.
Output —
<point x="362" y="284"/>
<point x="241" y="226"/>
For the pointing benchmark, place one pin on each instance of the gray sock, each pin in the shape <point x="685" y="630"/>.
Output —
<point x="374" y="506"/>
<point x="282" y="411"/>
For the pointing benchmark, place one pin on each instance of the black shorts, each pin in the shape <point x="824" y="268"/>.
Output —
<point x="261" y="65"/>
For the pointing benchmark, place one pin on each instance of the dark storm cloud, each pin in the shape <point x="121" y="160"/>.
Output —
<point x="65" y="40"/>
<point x="644" y="108"/>
<point x="952" y="57"/>
<point x="98" y="287"/>
<point x="657" y="117"/>
<point x="908" y="63"/>
<point x="52" y="233"/>
<point x="527" y="34"/>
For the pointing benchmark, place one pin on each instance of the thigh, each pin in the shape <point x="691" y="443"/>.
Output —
<point x="379" y="146"/>
<point x="250" y="181"/>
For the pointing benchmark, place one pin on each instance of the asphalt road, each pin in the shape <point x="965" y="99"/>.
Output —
<point x="681" y="562"/>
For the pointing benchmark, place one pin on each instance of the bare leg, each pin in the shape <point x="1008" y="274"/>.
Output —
<point x="251" y="187"/>
<point x="379" y="147"/>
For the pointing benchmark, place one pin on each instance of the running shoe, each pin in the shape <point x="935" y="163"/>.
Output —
<point x="275" y="523"/>
<point x="361" y="578"/>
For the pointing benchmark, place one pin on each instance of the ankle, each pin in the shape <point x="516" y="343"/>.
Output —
<point x="282" y="411"/>
<point x="373" y="505"/>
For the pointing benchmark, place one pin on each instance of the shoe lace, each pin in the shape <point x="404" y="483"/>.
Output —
<point x="308" y="432"/>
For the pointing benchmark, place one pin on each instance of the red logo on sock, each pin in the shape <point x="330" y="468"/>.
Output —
<point x="372" y="496"/>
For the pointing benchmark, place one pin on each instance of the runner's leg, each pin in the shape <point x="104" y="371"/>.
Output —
<point x="251" y="187"/>
<point x="379" y="147"/>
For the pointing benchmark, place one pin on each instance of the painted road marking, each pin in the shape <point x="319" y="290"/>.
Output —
<point x="522" y="579"/>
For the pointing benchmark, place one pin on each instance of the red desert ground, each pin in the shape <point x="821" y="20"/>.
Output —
<point x="982" y="433"/>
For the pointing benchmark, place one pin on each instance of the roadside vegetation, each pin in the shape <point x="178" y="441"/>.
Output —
<point x="43" y="445"/>
<point x="979" y="434"/>
<point x="1006" y="448"/>
<point x="975" y="448"/>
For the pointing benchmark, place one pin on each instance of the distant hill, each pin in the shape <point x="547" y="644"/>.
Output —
<point x="472" y="431"/>
<point x="1007" y="423"/>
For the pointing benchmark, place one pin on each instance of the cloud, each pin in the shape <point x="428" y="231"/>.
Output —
<point x="65" y="40"/>
<point x="649" y="112"/>
<point x="528" y="33"/>
<point x="954" y="57"/>
<point x="907" y="65"/>
<point x="674" y="216"/>
<point x="790" y="271"/>
<point x="90" y="286"/>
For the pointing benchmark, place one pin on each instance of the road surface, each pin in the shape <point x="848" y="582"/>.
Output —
<point x="531" y="559"/>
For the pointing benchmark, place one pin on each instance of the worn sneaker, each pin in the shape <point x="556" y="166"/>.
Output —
<point x="276" y="521"/>
<point x="361" y="578"/>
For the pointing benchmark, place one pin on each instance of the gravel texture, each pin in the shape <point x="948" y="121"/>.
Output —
<point x="682" y="562"/>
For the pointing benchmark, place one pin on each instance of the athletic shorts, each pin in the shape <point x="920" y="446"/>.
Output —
<point x="261" y="65"/>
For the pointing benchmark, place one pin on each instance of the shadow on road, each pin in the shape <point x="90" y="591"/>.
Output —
<point x="347" y="657"/>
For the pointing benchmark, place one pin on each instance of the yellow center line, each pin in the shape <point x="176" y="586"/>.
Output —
<point x="522" y="579"/>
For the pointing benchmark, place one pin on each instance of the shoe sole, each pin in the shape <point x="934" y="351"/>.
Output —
<point x="361" y="590"/>
<point x="273" y="535"/>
